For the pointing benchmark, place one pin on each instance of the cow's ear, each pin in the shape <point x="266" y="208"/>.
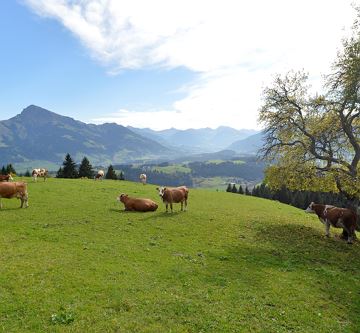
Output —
<point x="164" y="188"/>
<point x="157" y="189"/>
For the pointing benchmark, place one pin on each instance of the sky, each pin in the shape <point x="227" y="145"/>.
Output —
<point x="160" y="63"/>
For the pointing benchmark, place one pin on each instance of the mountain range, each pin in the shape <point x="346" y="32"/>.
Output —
<point x="41" y="136"/>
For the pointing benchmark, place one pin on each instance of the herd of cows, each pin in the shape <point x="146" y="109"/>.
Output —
<point x="330" y="216"/>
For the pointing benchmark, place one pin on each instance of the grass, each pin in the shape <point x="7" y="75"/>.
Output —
<point x="172" y="169"/>
<point x="75" y="262"/>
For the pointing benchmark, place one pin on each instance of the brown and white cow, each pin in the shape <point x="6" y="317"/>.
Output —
<point x="6" y="178"/>
<point x="142" y="178"/>
<point x="174" y="195"/>
<point x="137" y="204"/>
<point x="99" y="175"/>
<point x="337" y="217"/>
<point x="14" y="190"/>
<point x="39" y="173"/>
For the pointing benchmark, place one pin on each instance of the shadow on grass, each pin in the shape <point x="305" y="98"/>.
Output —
<point x="300" y="257"/>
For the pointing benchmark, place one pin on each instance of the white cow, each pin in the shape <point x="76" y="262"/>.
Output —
<point x="142" y="178"/>
<point x="39" y="173"/>
<point x="99" y="175"/>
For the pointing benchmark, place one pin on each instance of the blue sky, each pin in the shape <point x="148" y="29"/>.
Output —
<point x="160" y="64"/>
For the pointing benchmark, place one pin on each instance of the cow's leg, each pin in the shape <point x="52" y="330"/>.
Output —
<point x="327" y="228"/>
<point x="182" y="205"/>
<point x="171" y="207"/>
<point x="185" y="204"/>
<point x="166" y="205"/>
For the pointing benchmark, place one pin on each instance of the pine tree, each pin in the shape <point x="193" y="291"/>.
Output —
<point x="10" y="169"/>
<point x="85" y="169"/>
<point x="60" y="173"/>
<point x="69" y="168"/>
<point x="110" y="174"/>
<point x="3" y="171"/>
<point x="229" y="188"/>
<point x="234" y="189"/>
<point x="27" y="173"/>
<point x="247" y="192"/>
<point x="241" y="191"/>
<point x="121" y="176"/>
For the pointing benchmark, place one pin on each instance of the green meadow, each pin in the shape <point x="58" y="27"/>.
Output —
<point x="74" y="261"/>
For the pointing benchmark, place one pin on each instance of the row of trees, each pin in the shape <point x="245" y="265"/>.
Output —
<point x="5" y="170"/>
<point x="69" y="169"/>
<point x="299" y="199"/>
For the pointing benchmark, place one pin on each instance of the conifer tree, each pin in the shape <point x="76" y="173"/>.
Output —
<point x="85" y="169"/>
<point x="27" y="173"/>
<point x="121" y="176"/>
<point x="247" y="192"/>
<point x="69" y="168"/>
<point x="234" y="189"/>
<point x="3" y="170"/>
<point x="60" y="173"/>
<point x="241" y="191"/>
<point x="10" y="169"/>
<point x="110" y="174"/>
<point x="229" y="188"/>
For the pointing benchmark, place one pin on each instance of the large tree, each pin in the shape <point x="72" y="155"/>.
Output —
<point x="69" y="168"/>
<point x="313" y="141"/>
<point x="86" y="169"/>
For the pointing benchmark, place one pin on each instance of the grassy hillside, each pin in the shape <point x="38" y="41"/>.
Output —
<point x="74" y="262"/>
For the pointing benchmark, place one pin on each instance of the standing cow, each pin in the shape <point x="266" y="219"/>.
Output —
<point x="99" y="175"/>
<point x="174" y="195"/>
<point x="337" y="217"/>
<point x="142" y="178"/>
<point x="39" y="173"/>
<point x="14" y="190"/>
<point x="6" y="178"/>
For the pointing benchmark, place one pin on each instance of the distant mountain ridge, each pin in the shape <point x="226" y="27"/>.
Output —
<point x="203" y="140"/>
<point x="39" y="134"/>
<point x="249" y="145"/>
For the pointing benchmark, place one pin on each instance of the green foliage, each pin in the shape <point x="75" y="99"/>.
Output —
<point x="27" y="173"/>
<point x="121" y="176"/>
<point x="314" y="141"/>
<point x="111" y="174"/>
<point x="86" y="169"/>
<point x="9" y="169"/>
<point x="241" y="190"/>
<point x="229" y="188"/>
<point x="231" y="263"/>
<point x="68" y="169"/>
<point x="234" y="189"/>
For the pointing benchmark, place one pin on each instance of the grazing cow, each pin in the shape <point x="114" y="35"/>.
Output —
<point x="14" y="190"/>
<point x="174" y="195"/>
<point x="337" y="217"/>
<point x="137" y="204"/>
<point x="143" y="178"/>
<point x="6" y="178"/>
<point x="99" y="175"/>
<point x="39" y="173"/>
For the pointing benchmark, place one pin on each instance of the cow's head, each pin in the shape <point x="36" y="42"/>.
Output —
<point x="121" y="197"/>
<point x="161" y="191"/>
<point x="310" y="208"/>
<point x="10" y="177"/>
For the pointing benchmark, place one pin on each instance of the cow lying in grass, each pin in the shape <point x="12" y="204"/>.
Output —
<point x="337" y="217"/>
<point x="6" y="178"/>
<point x="14" y="190"/>
<point x="174" y="195"/>
<point x="137" y="204"/>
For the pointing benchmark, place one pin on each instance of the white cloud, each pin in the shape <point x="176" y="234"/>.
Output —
<point x="234" y="46"/>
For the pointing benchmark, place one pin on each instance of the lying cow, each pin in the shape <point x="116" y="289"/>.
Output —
<point x="142" y="178"/>
<point x="39" y="173"/>
<point x="99" y="175"/>
<point x="6" y="178"/>
<point x="174" y="195"/>
<point x="337" y="217"/>
<point x="14" y="190"/>
<point x="137" y="204"/>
